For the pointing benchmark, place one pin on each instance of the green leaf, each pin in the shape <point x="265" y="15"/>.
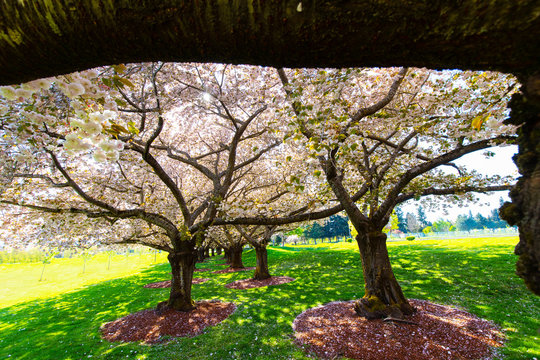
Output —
<point x="107" y="82"/>
<point x="120" y="68"/>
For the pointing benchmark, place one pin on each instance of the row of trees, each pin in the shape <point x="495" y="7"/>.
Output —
<point x="176" y="156"/>
<point x="464" y="222"/>
<point x="334" y="226"/>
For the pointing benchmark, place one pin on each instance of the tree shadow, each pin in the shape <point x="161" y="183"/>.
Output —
<point x="67" y="326"/>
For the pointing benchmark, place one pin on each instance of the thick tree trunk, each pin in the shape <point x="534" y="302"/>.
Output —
<point x="227" y="255"/>
<point x="236" y="257"/>
<point x="218" y="251"/>
<point x="213" y="252"/>
<point x="41" y="38"/>
<point x="383" y="296"/>
<point x="524" y="210"/>
<point x="261" y="270"/>
<point x="201" y="254"/>
<point x="182" y="267"/>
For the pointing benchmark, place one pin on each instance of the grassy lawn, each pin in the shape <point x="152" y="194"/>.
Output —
<point x="477" y="275"/>
<point x="20" y="282"/>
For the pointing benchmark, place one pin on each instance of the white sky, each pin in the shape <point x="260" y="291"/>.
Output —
<point x="500" y="164"/>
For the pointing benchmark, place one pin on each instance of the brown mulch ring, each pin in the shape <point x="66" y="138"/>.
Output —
<point x="252" y="283"/>
<point x="230" y="270"/>
<point x="434" y="332"/>
<point x="152" y="326"/>
<point x="167" y="283"/>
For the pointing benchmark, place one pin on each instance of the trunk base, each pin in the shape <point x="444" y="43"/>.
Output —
<point x="178" y="306"/>
<point x="261" y="276"/>
<point x="373" y="308"/>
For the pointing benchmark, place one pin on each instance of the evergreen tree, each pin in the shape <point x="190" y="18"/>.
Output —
<point x="421" y="217"/>
<point x="465" y="222"/>
<point x="402" y="221"/>
<point x="315" y="231"/>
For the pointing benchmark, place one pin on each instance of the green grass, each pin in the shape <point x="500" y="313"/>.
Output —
<point x="21" y="282"/>
<point x="477" y="275"/>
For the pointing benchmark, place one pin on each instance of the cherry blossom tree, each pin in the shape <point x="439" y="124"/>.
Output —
<point x="150" y="150"/>
<point x="382" y="137"/>
<point x="44" y="38"/>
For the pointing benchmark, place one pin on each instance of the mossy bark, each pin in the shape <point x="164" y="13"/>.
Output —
<point x="182" y="267"/>
<point x="261" y="269"/>
<point x="40" y="38"/>
<point x="524" y="211"/>
<point x="383" y="295"/>
<point x="236" y="257"/>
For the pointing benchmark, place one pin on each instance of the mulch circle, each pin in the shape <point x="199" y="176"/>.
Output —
<point x="230" y="270"/>
<point x="252" y="283"/>
<point x="152" y="326"/>
<point x="433" y="332"/>
<point x="167" y="283"/>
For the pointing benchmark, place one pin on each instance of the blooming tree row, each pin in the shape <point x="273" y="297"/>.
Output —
<point x="160" y="154"/>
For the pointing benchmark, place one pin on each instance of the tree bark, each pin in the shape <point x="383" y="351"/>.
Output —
<point x="227" y="255"/>
<point x="261" y="270"/>
<point x="524" y="211"/>
<point x="41" y="38"/>
<point x="383" y="295"/>
<point x="182" y="267"/>
<point x="201" y="254"/>
<point x="236" y="257"/>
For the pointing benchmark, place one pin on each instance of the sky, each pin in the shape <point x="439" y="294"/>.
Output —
<point x="501" y="164"/>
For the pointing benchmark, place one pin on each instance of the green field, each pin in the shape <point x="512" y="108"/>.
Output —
<point x="63" y="322"/>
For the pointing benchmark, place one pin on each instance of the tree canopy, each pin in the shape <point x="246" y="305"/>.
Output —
<point x="42" y="38"/>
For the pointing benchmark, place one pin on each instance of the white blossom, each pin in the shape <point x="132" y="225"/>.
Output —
<point x="8" y="92"/>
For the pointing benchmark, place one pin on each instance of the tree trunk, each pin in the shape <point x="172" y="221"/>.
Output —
<point x="227" y="255"/>
<point x="200" y="254"/>
<point x="213" y="252"/>
<point x="41" y="38"/>
<point x="182" y="267"/>
<point x="261" y="271"/>
<point x="524" y="210"/>
<point x="236" y="257"/>
<point x="383" y="296"/>
<point x="218" y="251"/>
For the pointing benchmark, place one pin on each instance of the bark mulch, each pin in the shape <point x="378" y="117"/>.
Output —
<point x="252" y="283"/>
<point x="433" y="332"/>
<point x="167" y="283"/>
<point x="152" y="326"/>
<point x="230" y="270"/>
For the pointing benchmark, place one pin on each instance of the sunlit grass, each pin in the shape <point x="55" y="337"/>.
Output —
<point x="21" y="282"/>
<point x="477" y="275"/>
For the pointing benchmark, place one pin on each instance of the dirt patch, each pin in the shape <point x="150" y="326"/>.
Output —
<point x="152" y="326"/>
<point x="167" y="283"/>
<point x="435" y="332"/>
<point x="252" y="283"/>
<point x="230" y="270"/>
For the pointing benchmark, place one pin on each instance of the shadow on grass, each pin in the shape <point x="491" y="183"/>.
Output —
<point x="67" y="326"/>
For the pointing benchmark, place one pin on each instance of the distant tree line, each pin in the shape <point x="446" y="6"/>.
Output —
<point x="334" y="226"/>
<point x="418" y="222"/>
